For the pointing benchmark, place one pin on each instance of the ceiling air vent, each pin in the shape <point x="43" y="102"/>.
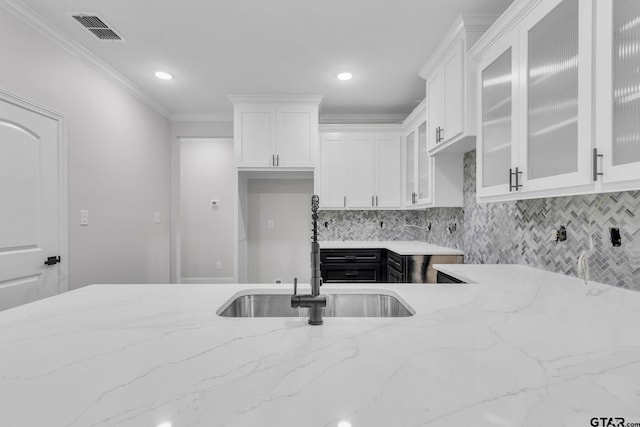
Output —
<point x="97" y="26"/>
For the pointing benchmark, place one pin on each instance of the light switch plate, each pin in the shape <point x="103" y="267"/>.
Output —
<point x="156" y="217"/>
<point x="84" y="217"/>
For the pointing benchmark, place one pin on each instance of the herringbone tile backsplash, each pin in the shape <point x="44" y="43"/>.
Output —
<point x="514" y="232"/>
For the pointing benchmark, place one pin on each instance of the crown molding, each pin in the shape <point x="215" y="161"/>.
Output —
<point x="215" y="117"/>
<point x="31" y="18"/>
<point x="359" y="119"/>
<point x="505" y="23"/>
<point x="239" y="99"/>
<point x="360" y="128"/>
<point x="418" y="115"/>
<point x="463" y="24"/>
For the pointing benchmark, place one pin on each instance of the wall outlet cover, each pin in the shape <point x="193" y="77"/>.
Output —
<point x="616" y="240"/>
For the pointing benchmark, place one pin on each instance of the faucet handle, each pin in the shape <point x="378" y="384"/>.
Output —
<point x="295" y="286"/>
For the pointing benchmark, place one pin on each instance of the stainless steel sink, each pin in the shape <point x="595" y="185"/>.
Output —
<point x="338" y="305"/>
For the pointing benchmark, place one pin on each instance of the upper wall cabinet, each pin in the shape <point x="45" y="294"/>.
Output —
<point x="360" y="167"/>
<point x="429" y="181"/>
<point x="275" y="132"/>
<point x="617" y="155"/>
<point x="451" y="88"/>
<point x="534" y="80"/>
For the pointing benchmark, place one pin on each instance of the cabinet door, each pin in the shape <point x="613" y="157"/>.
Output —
<point x="333" y="171"/>
<point x="556" y="41"/>
<point x="497" y="136"/>
<point x="256" y="128"/>
<point x="434" y="107"/>
<point x="389" y="172"/>
<point x="361" y="181"/>
<point x="295" y="137"/>
<point x="424" y="167"/>
<point x="410" y="169"/>
<point x="453" y="76"/>
<point x="618" y="84"/>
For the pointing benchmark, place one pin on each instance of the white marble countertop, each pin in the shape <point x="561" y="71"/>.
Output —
<point x="401" y="247"/>
<point x="525" y="353"/>
<point x="505" y="274"/>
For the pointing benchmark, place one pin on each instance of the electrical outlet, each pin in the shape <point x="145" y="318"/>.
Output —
<point x="616" y="240"/>
<point x="156" y="217"/>
<point x="219" y="265"/>
<point x="270" y="224"/>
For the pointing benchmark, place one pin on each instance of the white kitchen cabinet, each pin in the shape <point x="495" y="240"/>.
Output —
<point x="450" y="88"/>
<point x="389" y="172"/>
<point x="361" y="184"/>
<point x="360" y="167"/>
<point x="617" y="154"/>
<point x="333" y="171"/>
<point x="535" y="101"/>
<point x="430" y="181"/>
<point x="275" y="132"/>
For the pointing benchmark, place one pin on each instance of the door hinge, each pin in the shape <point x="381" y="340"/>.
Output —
<point x="52" y="260"/>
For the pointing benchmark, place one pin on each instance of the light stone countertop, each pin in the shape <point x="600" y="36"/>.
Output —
<point x="504" y="274"/>
<point x="401" y="247"/>
<point x="526" y="352"/>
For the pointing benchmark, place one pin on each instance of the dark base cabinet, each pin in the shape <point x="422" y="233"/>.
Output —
<point x="395" y="268"/>
<point x="445" y="278"/>
<point x="352" y="265"/>
<point x="380" y="266"/>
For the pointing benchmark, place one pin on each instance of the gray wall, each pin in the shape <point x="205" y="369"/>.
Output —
<point x="118" y="161"/>
<point x="206" y="234"/>
<point x="283" y="251"/>
<point x="515" y="232"/>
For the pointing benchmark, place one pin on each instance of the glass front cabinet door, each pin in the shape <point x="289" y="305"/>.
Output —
<point x="496" y="149"/>
<point x="617" y="155"/>
<point x="556" y="121"/>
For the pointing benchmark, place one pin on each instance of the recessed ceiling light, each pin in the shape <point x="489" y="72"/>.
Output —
<point x="165" y="424"/>
<point x="345" y="76"/>
<point x="163" y="76"/>
<point x="344" y="424"/>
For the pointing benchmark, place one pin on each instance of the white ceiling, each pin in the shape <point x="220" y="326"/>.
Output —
<point x="218" y="47"/>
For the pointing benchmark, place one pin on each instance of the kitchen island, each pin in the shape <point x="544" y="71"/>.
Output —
<point x="528" y="352"/>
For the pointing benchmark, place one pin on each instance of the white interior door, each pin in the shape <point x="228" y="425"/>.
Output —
<point x="29" y="215"/>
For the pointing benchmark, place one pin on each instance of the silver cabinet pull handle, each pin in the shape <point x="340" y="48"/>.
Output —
<point x="510" y="180"/>
<point x="376" y="200"/>
<point x="273" y="160"/>
<point x="277" y="159"/>
<point x="372" y="201"/>
<point x="345" y="201"/>
<point x="595" y="164"/>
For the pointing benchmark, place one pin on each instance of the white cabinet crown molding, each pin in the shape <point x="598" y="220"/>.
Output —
<point x="274" y="99"/>
<point x="505" y="23"/>
<point x="464" y="24"/>
<point x="357" y="119"/>
<point x="417" y="116"/>
<point x="360" y="128"/>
